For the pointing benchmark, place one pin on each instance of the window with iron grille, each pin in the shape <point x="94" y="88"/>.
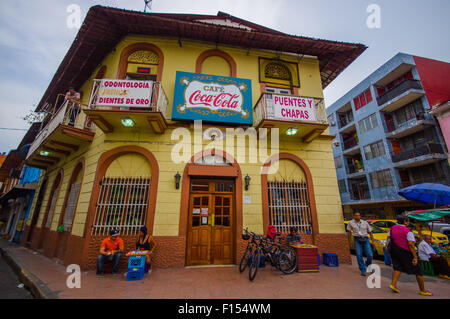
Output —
<point x="122" y="204"/>
<point x="289" y="206"/>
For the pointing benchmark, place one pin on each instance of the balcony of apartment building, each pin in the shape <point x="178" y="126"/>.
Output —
<point x="414" y="123"/>
<point x="64" y="130"/>
<point x="398" y="88"/>
<point x="359" y="189"/>
<point x="431" y="173"/>
<point x="354" y="165"/>
<point x="350" y="143"/>
<point x="301" y="117"/>
<point x="404" y="93"/>
<point x="420" y="155"/>
<point x="345" y="118"/>
<point x="112" y="111"/>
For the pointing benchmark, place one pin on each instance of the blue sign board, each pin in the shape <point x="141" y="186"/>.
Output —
<point x="212" y="98"/>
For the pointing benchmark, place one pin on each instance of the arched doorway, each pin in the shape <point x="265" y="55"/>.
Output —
<point x="51" y="206"/>
<point x="68" y="210"/>
<point x="211" y="208"/>
<point x="37" y="210"/>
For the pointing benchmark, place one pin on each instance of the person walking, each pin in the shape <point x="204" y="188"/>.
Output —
<point x="404" y="256"/>
<point x="361" y="230"/>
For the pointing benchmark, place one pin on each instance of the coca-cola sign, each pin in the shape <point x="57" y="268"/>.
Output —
<point x="212" y="98"/>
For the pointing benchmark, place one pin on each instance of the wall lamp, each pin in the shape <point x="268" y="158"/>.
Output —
<point x="177" y="180"/>
<point x="247" y="182"/>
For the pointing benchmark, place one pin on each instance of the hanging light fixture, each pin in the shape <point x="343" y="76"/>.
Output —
<point x="247" y="182"/>
<point x="177" y="180"/>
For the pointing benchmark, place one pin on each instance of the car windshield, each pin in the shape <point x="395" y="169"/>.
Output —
<point x="378" y="230"/>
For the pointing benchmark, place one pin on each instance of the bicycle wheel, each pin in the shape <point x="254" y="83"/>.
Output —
<point x="244" y="260"/>
<point x="254" y="264"/>
<point x="287" y="260"/>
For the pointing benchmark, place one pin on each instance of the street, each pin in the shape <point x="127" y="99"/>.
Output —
<point x="9" y="283"/>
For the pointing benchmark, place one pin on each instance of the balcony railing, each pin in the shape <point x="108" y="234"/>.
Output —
<point x="158" y="100"/>
<point x="429" y="148"/>
<point x="353" y="168"/>
<point x="434" y="180"/>
<point x="399" y="89"/>
<point x="409" y="123"/>
<point x="350" y="143"/>
<point x="359" y="191"/>
<point x="68" y="114"/>
<point x="265" y="110"/>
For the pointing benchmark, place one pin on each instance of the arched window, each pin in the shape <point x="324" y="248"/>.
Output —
<point x="289" y="198"/>
<point x="278" y="71"/>
<point x="124" y="194"/>
<point x="141" y="61"/>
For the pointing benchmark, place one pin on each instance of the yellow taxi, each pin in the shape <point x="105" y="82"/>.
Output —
<point x="437" y="238"/>
<point x="379" y="236"/>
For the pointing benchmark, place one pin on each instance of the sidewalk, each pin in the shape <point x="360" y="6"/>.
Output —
<point x="216" y="282"/>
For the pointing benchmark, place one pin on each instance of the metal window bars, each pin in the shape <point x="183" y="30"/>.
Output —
<point x="289" y="206"/>
<point x="122" y="204"/>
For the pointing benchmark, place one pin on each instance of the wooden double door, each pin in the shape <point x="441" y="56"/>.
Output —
<point x="211" y="219"/>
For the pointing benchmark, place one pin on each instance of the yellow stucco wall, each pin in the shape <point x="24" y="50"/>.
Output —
<point x="317" y="154"/>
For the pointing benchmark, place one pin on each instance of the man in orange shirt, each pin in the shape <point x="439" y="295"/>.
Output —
<point x="111" y="249"/>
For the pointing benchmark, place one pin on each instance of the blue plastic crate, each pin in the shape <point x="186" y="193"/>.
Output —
<point x="136" y="262"/>
<point x="262" y="261"/>
<point x="135" y="274"/>
<point x="330" y="260"/>
<point x="387" y="257"/>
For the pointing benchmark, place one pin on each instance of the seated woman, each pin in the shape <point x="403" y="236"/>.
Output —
<point x="293" y="236"/>
<point x="146" y="242"/>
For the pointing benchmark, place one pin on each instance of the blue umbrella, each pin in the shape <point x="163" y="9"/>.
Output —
<point x="427" y="193"/>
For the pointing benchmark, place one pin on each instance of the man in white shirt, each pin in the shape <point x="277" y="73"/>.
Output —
<point x="361" y="231"/>
<point x="427" y="253"/>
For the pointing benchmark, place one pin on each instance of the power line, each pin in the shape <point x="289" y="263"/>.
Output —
<point x="13" y="129"/>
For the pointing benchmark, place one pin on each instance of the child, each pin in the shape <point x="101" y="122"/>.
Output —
<point x="293" y="236"/>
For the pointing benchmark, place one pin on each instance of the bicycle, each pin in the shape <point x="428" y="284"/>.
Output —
<point x="282" y="257"/>
<point x="252" y="249"/>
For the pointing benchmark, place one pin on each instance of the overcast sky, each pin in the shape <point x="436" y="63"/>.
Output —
<point x="34" y="38"/>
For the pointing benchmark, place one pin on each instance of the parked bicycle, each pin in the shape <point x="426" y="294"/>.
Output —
<point x="282" y="257"/>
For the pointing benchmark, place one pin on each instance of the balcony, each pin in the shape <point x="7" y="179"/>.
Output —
<point x="64" y="132"/>
<point x="419" y="123"/>
<point x="116" y="118"/>
<point x="404" y="93"/>
<point x="359" y="191"/>
<point x="419" y="156"/>
<point x="441" y="180"/>
<point x="306" y="123"/>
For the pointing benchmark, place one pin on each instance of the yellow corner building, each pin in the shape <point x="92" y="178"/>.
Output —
<point x="195" y="126"/>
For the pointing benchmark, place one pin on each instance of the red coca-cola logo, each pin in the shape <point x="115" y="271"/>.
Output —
<point x="221" y="100"/>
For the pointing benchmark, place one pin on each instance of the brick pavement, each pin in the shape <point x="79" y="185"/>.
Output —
<point x="224" y="282"/>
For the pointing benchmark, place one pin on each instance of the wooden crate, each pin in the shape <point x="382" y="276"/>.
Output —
<point x="307" y="257"/>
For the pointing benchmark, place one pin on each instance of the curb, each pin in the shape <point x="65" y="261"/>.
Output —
<point x="37" y="288"/>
